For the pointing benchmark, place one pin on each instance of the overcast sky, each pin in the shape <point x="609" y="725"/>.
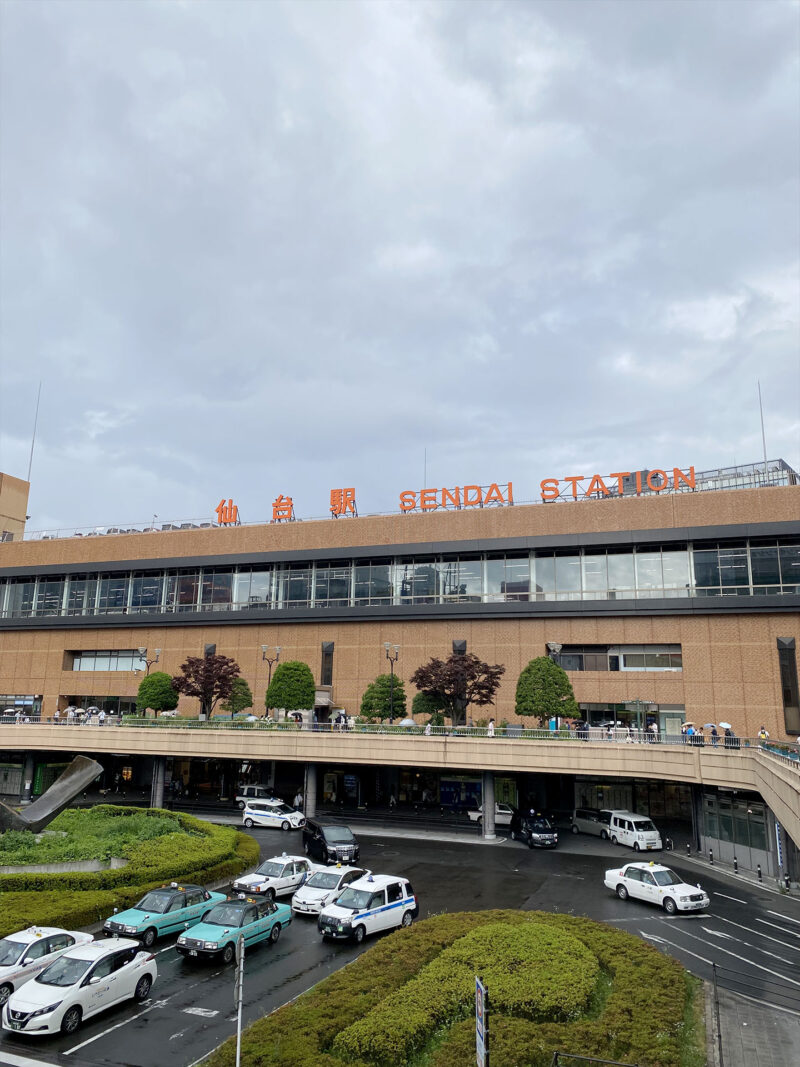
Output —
<point x="261" y="248"/>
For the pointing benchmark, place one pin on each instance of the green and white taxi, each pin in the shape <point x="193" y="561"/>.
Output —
<point x="279" y="876"/>
<point x="167" y="910"/>
<point x="273" y="814"/>
<point x="26" y="953"/>
<point x="216" y="936"/>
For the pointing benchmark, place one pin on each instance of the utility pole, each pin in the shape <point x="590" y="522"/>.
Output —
<point x="237" y="996"/>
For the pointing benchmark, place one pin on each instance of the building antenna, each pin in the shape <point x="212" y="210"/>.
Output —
<point x="35" y="423"/>
<point x="763" y="435"/>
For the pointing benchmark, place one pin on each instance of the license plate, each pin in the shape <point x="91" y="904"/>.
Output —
<point x="192" y="951"/>
<point x="15" y="1026"/>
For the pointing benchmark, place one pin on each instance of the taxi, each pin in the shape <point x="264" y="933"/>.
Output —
<point x="279" y="876"/>
<point x="657" y="885"/>
<point x="216" y="936"/>
<point x="273" y="814"/>
<point x="322" y="887"/>
<point x="86" y="979"/>
<point x="367" y="906"/>
<point x="162" y="911"/>
<point x="26" y="953"/>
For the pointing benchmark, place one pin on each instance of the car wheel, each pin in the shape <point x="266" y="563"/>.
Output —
<point x="408" y="918"/>
<point x="530" y="842"/>
<point x="205" y="916"/>
<point x="71" y="1021"/>
<point x="575" y="829"/>
<point x="248" y="823"/>
<point x="613" y="840"/>
<point x="622" y="892"/>
<point x="670" y="907"/>
<point x="275" y="933"/>
<point x="5" y="992"/>
<point x="142" y="991"/>
<point x="269" y="894"/>
<point x="635" y="846"/>
<point x="240" y="805"/>
<point x="513" y="835"/>
<point x="479" y="820"/>
<point x="359" y="934"/>
<point x="228" y="953"/>
<point x="149" y="937"/>
<point x="285" y="825"/>
<point x="604" y="835"/>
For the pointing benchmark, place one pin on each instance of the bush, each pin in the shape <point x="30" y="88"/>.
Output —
<point x="610" y="995"/>
<point x="199" y="852"/>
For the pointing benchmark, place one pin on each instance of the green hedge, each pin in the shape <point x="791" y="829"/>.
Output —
<point x="642" y="1006"/>
<point x="206" y="854"/>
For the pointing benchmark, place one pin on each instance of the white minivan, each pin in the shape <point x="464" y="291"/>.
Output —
<point x="635" y="831"/>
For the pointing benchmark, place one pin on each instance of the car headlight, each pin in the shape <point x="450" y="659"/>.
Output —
<point x="345" y="925"/>
<point x="210" y="944"/>
<point x="181" y="940"/>
<point x="130" y="929"/>
<point x="45" y="1011"/>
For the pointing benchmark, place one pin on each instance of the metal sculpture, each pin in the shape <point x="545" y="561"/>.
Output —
<point x="72" y="780"/>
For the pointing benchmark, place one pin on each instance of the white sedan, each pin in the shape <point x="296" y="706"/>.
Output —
<point x="277" y="877"/>
<point x="503" y="814"/>
<point x="657" y="885"/>
<point x="82" y="982"/>
<point x="26" y="953"/>
<point x="323" y="887"/>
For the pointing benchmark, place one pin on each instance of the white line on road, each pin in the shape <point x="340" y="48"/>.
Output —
<point x="206" y="1013"/>
<point x="663" y="941"/>
<point x="787" y="918"/>
<point x="783" y="930"/>
<point x="737" y="899"/>
<point x="763" y="951"/>
<point x="767" y="937"/>
<point x="116" y="1026"/>
<point x="8" y="1059"/>
<point x="744" y="959"/>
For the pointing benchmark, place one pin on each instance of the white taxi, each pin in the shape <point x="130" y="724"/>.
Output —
<point x="276" y="877"/>
<point x="24" y="954"/>
<point x="657" y="885"/>
<point x="272" y="813"/>
<point x="323" y="887"/>
<point x="82" y="982"/>
<point x="367" y="906"/>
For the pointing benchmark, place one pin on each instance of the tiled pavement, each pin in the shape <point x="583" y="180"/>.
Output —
<point x="752" y="1035"/>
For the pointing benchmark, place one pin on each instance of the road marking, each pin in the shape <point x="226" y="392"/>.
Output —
<point x="206" y="1013"/>
<point x="9" y="1059"/>
<point x="737" y="899"/>
<point x="775" y="926"/>
<point x="786" y="918"/>
<point x="763" y="951"/>
<point x="744" y="959"/>
<point x="767" y="937"/>
<point x="663" y="941"/>
<point x="116" y="1026"/>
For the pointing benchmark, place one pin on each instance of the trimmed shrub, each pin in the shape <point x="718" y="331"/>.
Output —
<point x="616" y="998"/>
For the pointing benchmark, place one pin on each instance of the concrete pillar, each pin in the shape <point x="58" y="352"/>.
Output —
<point x="157" y="786"/>
<point x="488" y="806"/>
<point x="27" y="778"/>
<point x="310" y="806"/>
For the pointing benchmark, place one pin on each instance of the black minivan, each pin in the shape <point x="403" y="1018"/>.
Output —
<point x="330" y="842"/>
<point x="536" y="829"/>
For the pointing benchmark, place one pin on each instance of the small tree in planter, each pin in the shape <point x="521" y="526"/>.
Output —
<point x="209" y="678"/>
<point x="544" y="690"/>
<point x="383" y="697"/>
<point x="156" y="692"/>
<point x="292" y="687"/>
<point x="241" y="697"/>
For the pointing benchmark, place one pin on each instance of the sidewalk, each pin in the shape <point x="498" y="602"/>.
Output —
<point x="753" y="1035"/>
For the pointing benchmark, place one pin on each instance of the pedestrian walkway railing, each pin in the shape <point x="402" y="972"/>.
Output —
<point x="569" y="1057"/>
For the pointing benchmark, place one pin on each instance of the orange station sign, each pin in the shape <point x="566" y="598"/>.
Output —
<point x="467" y="496"/>
<point x="655" y="481"/>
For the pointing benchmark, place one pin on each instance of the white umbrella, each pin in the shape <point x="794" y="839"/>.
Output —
<point x="726" y="726"/>
<point x="408" y="722"/>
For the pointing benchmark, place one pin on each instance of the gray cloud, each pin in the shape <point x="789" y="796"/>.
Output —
<point x="262" y="248"/>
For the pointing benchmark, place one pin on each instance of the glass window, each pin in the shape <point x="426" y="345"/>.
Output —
<point x="571" y="661"/>
<point x="373" y="581"/>
<point x="332" y="586"/>
<point x="187" y="586"/>
<point x="648" y="571"/>
<point x="295" y="585"/>
<point x="20" y="597"/>
<point x="568" y="574"/>
<point x="706" y="567"/>
<point x="113" y="593"/>
<point x="517" y="580"/>
<point x="417" y="581"/>
<point x="764" y="565"/>
<point x="260" y="585"/>
<point x="620" y="574"/>
<point x="733" y="566"/>
<point x="49" y="596"/>
<point x="675" y="565"/>
<point x="81" y="594"/>
<point x="595" y="573"/>
<point x="146" y="590"/>
<point x="217" y="588"/>
<point x="461" y="579"/>
<point x="790" y="565"/>
<point x="545" y="576"/>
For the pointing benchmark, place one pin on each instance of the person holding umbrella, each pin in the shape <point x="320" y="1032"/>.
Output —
<point x="712" y="726"/>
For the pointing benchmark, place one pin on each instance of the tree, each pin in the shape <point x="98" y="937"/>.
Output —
<point x="425" y="704"/>
<point x="157" y="692"/>
<point x="382" y="697"/>
<point x="544" y="690"/>
<point x="292" y="687"/>
<point x="458" y="681"/>
<point x="240" y="699"/>
<point x="209" y="678"/>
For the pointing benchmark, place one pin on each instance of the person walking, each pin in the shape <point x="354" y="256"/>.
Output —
<point x="763" y="734"/>
<point x="70" y="716"/>
<point x="101" y="717"/>
<point x="714" y="737"/>
<point x="392" y="801"/>
<point x="428" y="730"/>
<point x="298" y="800"/>
<point x="57" y="716"/>
<point x="490" y="728"/>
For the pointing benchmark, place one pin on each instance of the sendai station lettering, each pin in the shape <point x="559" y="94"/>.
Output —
<point x="467" y="496"/>
<point x="655" y="481"/>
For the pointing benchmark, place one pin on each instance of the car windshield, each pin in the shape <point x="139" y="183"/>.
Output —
<point x="10" y="952"/>
<point x="323" y="880"/>
<point x="270" y="868"/>
<point x="156" y="903"/>
<point x="339" y="835"/>
<point x="225" y="915"/>
<point x="540" y="826"/>
<point x="354" y="899"/>
<point x="643" y="825"/>
<point x="667" y="877"/>
<point x="284" y="809"/>
<point x="64" y="972"/>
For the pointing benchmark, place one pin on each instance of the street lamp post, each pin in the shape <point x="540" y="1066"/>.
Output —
<point x="148" y="662"/>
<point x="392" y="654"/>
<point x="271" y="661"/>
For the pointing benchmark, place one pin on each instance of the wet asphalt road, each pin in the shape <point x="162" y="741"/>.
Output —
<point x="752" y="936"/>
